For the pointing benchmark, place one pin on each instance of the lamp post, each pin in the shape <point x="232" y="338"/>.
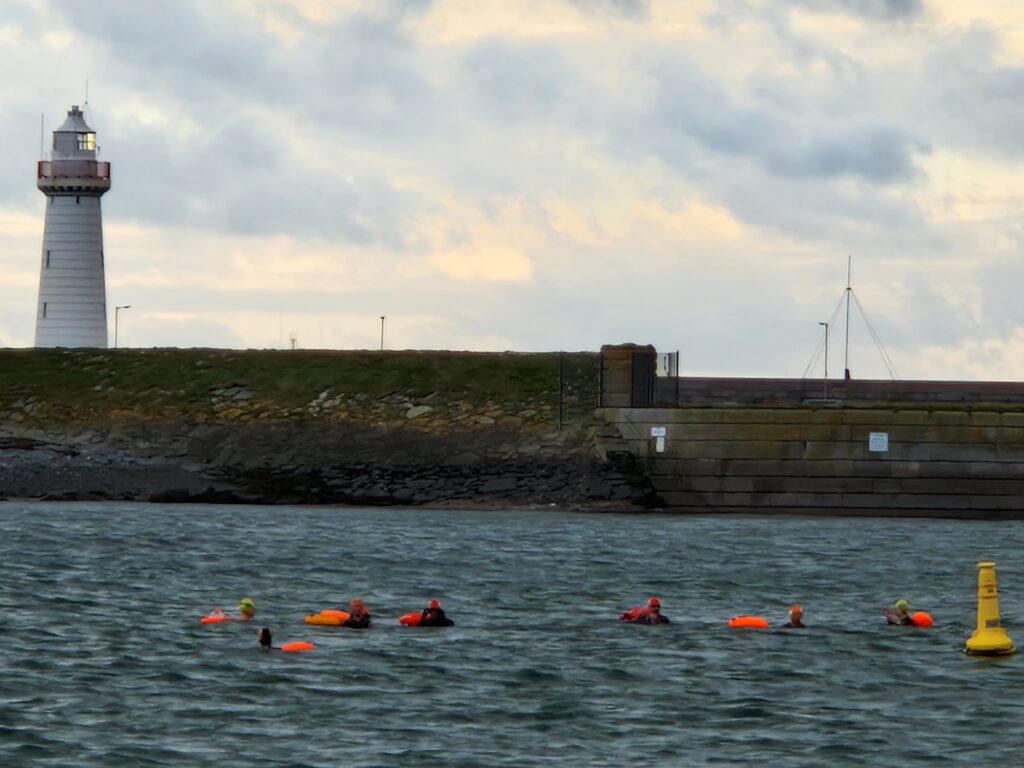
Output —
<point x="382" y="332"/>
<point x="117" y="310"/>
<point x="825" y="380"/>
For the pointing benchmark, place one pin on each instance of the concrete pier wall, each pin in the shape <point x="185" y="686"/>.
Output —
<point x="940" y="459"/>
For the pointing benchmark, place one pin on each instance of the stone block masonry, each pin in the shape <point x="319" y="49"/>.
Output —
<point x="940" y="459"/>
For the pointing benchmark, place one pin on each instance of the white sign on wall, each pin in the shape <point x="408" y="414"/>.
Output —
<point x="878" y="442"/>
<point x="659" y="444"/>
<point x="658" y="432"/>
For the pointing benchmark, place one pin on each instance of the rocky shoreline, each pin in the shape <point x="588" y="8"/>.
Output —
<point x="272" y="471"/>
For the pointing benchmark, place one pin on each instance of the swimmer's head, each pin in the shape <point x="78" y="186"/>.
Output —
<point x="654" y="604"/>
<point x="434" y="604"/>
<point x="796" y="612"/>
<point x="265" y="638"/>
<point x="247" y="607"/>
<point x="903" y="606"/>
<point x="358" y="606"/>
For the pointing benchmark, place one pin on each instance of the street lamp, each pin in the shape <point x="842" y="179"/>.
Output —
<point x="117" y="310"/>
<point x="825" y="380"/>
<point x="382" y="332"/>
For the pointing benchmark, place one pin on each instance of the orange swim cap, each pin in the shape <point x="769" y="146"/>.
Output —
<point x="435" y="604"/>
<point x="796" y="609"/>
<point x="653" y="602"/>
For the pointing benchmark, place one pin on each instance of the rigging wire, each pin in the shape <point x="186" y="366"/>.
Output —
<point x="886" y="359"/>
<point x="821" y="342"/>
<point x="874" y="336"/>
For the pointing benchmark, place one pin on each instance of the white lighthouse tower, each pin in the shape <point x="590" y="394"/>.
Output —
<point x="72" y="308"/>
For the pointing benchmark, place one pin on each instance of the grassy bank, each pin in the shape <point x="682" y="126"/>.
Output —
<point x="181" y="383"/>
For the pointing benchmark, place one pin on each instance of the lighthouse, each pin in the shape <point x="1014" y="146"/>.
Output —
<point x="72" y="309"/>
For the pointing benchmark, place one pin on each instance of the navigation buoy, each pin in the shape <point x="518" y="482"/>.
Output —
<point x="989" y="637"/>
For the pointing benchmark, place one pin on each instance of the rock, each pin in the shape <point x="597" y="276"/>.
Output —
<point x="418" y="410"/>
<point x="464" y="459"/>
<point x="499" y="484"/>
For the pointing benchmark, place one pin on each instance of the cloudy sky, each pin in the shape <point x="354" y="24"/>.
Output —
<point x="540" y="174"/>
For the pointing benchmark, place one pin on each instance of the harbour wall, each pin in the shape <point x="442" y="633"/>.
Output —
<point x="937" y="449"/>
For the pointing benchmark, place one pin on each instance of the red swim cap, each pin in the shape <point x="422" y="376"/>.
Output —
<point x="653" y="602"/>
<point x="435" y="604"/>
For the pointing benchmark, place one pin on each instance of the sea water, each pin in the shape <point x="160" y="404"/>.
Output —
<point x="104" y="662"/>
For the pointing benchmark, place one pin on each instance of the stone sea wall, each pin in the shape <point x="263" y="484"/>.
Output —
<point x="933" y="460"/>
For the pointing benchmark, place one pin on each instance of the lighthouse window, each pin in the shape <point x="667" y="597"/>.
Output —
<point x="47" y="259"/>
<point x="87" y="141"/>
<point x="44" y="309"/>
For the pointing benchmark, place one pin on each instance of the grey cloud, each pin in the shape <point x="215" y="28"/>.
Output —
<point x="241" y="179"/>
<point x="689" y="106"/>
<point x="728" y="13"/>
<point x="1002" y="308"/>
<point x="968" y="98"/>
<point x="876" y="9"/>
<point x="518" y="82"/>
<point x="929" y="317"/>
<point x="364" y="76"/>
<point x="204" y="57"/>
<point x="631" y="9"/>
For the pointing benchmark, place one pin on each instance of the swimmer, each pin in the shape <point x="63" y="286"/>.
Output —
<point x="266" y="639"/>
<point x="433" y="616"/>
<point x="899" y="613"/>
<point x="796" y="618"/>
<point x="651" y="614"/>
<point x="360" y="615"/>
<point x="246" y="609"/>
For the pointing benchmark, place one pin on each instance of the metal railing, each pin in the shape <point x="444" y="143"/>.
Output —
<point x="73" y="169"/>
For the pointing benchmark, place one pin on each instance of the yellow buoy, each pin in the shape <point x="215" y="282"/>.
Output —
<point x="989" y="638"/>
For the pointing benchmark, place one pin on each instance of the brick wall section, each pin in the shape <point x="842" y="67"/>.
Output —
<point x="942" y="460"/>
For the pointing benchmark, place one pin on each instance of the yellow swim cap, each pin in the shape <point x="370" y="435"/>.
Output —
<point x="903" y="606"/>
<point x="247" y="605"/>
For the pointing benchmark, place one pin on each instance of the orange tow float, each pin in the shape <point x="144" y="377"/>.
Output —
<point x="216" y="616"/>
<point x="298" y="646"/>
<point x="923" y="620"/>
<point x="748" y="622"/>
<point x="329" y="617"/>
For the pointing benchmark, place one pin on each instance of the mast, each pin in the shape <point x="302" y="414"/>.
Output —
<point x="849" y="268"/>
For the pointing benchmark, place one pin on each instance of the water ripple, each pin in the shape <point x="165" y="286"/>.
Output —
<point x="105" y="662"/>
